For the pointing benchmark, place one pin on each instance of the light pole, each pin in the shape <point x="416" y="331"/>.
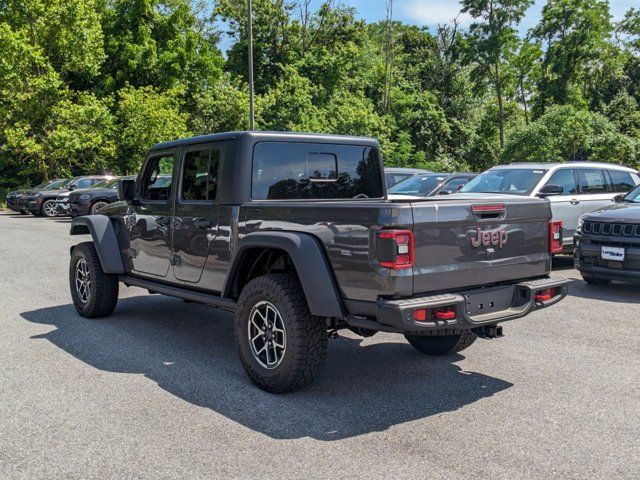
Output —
<point x="250" y="34"/>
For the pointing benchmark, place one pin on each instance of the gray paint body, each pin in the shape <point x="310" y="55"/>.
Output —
<point x="331" y="242"/>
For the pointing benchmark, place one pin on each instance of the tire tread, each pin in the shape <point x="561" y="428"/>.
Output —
<point x="104" y="286"/>
<point x="306" y="334"/>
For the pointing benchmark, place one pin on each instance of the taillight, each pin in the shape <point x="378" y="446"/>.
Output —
<point x="555" y="237"/>
<point x="395" y="249"/>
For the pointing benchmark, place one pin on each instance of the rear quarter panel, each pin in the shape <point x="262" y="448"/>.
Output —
<point x="346" y="230"/>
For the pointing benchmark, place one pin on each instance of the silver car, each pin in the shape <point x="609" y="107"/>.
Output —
<point x="572" y="188"/>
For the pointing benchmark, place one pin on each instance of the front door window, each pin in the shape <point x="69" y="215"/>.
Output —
<point x="152" y="218"/>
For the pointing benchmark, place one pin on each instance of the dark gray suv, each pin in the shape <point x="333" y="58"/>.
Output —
<point x="608" y="242"/>
<point x="43" y="202"/>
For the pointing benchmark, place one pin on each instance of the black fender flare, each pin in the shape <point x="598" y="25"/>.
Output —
<point x="312" y="266"/>
<point x="104" y="238"/>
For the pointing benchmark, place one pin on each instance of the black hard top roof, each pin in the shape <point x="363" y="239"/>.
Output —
<point x="266" y="136"/>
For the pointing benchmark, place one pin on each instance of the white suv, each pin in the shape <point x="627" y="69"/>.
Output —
<point x="573" y="188"/>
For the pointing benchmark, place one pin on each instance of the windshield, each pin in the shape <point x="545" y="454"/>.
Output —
<point x="62" y="185"/>
<point x="54" y="185"/>
<point x="113" y="183"/>
<point x="633" y="196"/>
<point x="419" y="185"/>
<point x="517" y="181"/>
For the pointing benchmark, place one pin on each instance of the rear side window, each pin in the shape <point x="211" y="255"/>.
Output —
<point x="200" y="175"/>
<point x="621" y="181"/>
<point x="591" y="180"/>
<point x="566" y="178"/>
<point x="315" y="171"/>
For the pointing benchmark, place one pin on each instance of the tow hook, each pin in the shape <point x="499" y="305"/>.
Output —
<point x="489" y="331"/>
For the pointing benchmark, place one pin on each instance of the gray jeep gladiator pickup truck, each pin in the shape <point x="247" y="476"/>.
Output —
<point x="296" y="235"/>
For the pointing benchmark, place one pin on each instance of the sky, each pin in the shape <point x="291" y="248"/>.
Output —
<point x="431" y="12"/>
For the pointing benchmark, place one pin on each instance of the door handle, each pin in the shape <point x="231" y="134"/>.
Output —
<point x="163" y="221"/>
<point x="202" y="223"/>
<point x="574" y="202"/>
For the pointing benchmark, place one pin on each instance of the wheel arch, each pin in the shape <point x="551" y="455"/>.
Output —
<point x="104" y="238"/>
<point x="307" y="258"/>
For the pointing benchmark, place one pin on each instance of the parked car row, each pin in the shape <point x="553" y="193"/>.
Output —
<point x="573" y="189"/>
<point x="75" y="196"/>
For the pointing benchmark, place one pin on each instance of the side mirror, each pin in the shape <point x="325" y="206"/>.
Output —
<point x="71" y="187"/>
<point x="618" y="198"/>
<point x="126" y="189"/>
<point x="550" y="190"/>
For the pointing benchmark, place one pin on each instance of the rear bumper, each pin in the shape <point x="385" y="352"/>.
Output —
<point x="588" y="260"/>
<point x="474" y="308"/>
<point x="32" y="206"/>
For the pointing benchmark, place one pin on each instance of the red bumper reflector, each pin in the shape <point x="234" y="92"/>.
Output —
<point x="420" y="315"/>
<point x="545" y="295"/>
<point x="445" y="314"/>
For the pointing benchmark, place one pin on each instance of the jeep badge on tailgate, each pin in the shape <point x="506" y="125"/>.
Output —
<point x="496" y="238"/>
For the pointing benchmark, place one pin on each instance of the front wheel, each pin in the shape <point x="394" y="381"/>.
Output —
<point x="94" y="293"/>
<point x="442" y="344"/>
<point x="50" y="208"/>
<point x="96" y="207"/>
<point x="282" y="346"/>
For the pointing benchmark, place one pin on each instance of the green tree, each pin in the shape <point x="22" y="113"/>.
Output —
<point x="68" y="33"/>
<point x="565" y="133"/>
<point x="222" y="107"/>
<point x="80" y="137"/>
<point x="29" y="90"/>
<point x="144" y="117"/>
<point x="274" y="36"/>
<point x="575" y="33"/>
<point x="493" y="41"/>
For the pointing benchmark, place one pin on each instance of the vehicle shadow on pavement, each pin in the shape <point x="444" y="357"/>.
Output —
<point x="616" y="292"/>
<point x="189" y="351"/>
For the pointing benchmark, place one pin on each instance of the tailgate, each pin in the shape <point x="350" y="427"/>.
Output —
<point x="466" y="242"/>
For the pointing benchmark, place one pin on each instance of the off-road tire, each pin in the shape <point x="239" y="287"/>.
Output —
<point x="595" y="281"/>
<point x="96" y="207"/>
<point x="442" y="344"/>
<point x="306" y="335"/>
<point x="103" y="295"/>
<point x="43" y="210"/>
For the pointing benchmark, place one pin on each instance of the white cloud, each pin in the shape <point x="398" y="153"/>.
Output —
<point x="431" y="12"/>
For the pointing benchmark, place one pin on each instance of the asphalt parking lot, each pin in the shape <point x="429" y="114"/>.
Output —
<point x="157" y="391"/>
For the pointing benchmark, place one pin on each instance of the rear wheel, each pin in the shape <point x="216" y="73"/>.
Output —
<point x="96" y="207"/>
<point x="442" y="344"/>
<point x="595" y="280"/>
<point x="282" y="346"/>
<point x="94" y="293"/>
<point x="49" y="208"/>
